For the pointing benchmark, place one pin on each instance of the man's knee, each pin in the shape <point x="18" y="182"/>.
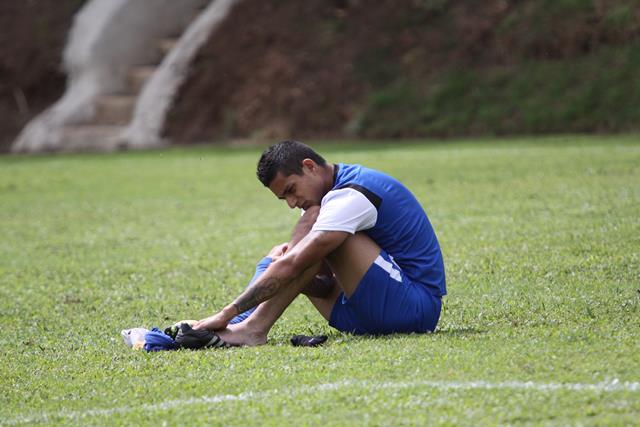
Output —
<point x="310" y="215"/>
<point x="278" y="250"/>
<point x="320" y="287"/>
<point x="305" y="223"/>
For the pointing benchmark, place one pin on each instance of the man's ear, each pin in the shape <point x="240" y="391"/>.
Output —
<point x="309" y="164"/>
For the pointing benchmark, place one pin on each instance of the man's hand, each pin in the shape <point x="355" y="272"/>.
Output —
<point x="278" y="251"/>
<point x="219" y="320"/>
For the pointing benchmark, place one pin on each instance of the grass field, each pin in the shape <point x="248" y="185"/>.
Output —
<point x="541" y="239"/>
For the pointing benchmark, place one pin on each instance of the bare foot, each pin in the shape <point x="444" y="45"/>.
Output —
<point x="239" y="334"/>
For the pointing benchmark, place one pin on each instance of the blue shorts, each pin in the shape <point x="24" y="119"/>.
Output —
<point x="386" y="301"/>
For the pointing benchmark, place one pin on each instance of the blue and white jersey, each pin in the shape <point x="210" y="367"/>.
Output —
<point x="366" y="200"/>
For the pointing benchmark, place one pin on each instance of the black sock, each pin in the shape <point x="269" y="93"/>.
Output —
<point x="306" y="341"/>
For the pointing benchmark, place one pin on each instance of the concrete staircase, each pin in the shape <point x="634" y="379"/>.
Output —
<point x="126" y="61"/>
<point x="113" y="111"/>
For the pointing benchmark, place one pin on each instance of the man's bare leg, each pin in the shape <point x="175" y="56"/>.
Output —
<point x="349" y="262"/>
<point x="254" y="330"/>
<point x="323" y="291"/>
<point x="255" y="333"/>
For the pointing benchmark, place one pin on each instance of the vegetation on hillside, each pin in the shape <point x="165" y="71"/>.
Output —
<point x="391" y="68"/>
<point x="407" y="68"/>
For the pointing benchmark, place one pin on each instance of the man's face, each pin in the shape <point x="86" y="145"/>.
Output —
<point x="300" y="191"/>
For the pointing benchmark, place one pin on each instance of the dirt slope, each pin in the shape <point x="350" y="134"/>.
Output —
<point x="32" y="36"/>
<point x="396" y="68"/>
<point x="389" y="68"/>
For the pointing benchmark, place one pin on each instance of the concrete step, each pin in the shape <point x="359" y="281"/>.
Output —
<point x="114" y="109"/>
<point x="138" y="76"/>
<point x="165" y="45"/>
<point x="92" y="138"/>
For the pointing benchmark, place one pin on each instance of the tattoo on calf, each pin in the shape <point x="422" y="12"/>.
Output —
<point x="257" y="293"/>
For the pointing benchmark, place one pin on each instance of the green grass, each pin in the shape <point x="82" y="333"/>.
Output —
<point x="541" y="239"/>
<point x="531" y="97"/>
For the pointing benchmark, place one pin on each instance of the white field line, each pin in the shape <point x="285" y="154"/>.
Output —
<point x="602" y="387"/>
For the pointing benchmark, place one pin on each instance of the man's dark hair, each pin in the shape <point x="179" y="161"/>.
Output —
<point x="285" y="157"/>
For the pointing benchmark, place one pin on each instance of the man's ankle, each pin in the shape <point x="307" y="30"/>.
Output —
<point x="254" y="328"/>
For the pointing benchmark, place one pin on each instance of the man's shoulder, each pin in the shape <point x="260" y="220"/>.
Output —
<point x="356" y="173"/>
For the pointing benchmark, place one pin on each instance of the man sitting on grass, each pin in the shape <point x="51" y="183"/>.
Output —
<point x="364" y="253"/>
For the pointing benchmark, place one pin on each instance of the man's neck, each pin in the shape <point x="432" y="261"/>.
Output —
<point x="329" y="176"/>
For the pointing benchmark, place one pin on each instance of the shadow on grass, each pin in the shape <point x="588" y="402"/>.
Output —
<point x="335" y="336"/>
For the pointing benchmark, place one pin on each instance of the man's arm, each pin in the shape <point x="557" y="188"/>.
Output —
<point x="313" y="248"/>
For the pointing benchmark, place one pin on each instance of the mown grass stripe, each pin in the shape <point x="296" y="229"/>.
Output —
<point x="614" y="385"/>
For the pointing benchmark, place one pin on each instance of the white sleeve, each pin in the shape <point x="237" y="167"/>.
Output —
<point x="347" y="210"/>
